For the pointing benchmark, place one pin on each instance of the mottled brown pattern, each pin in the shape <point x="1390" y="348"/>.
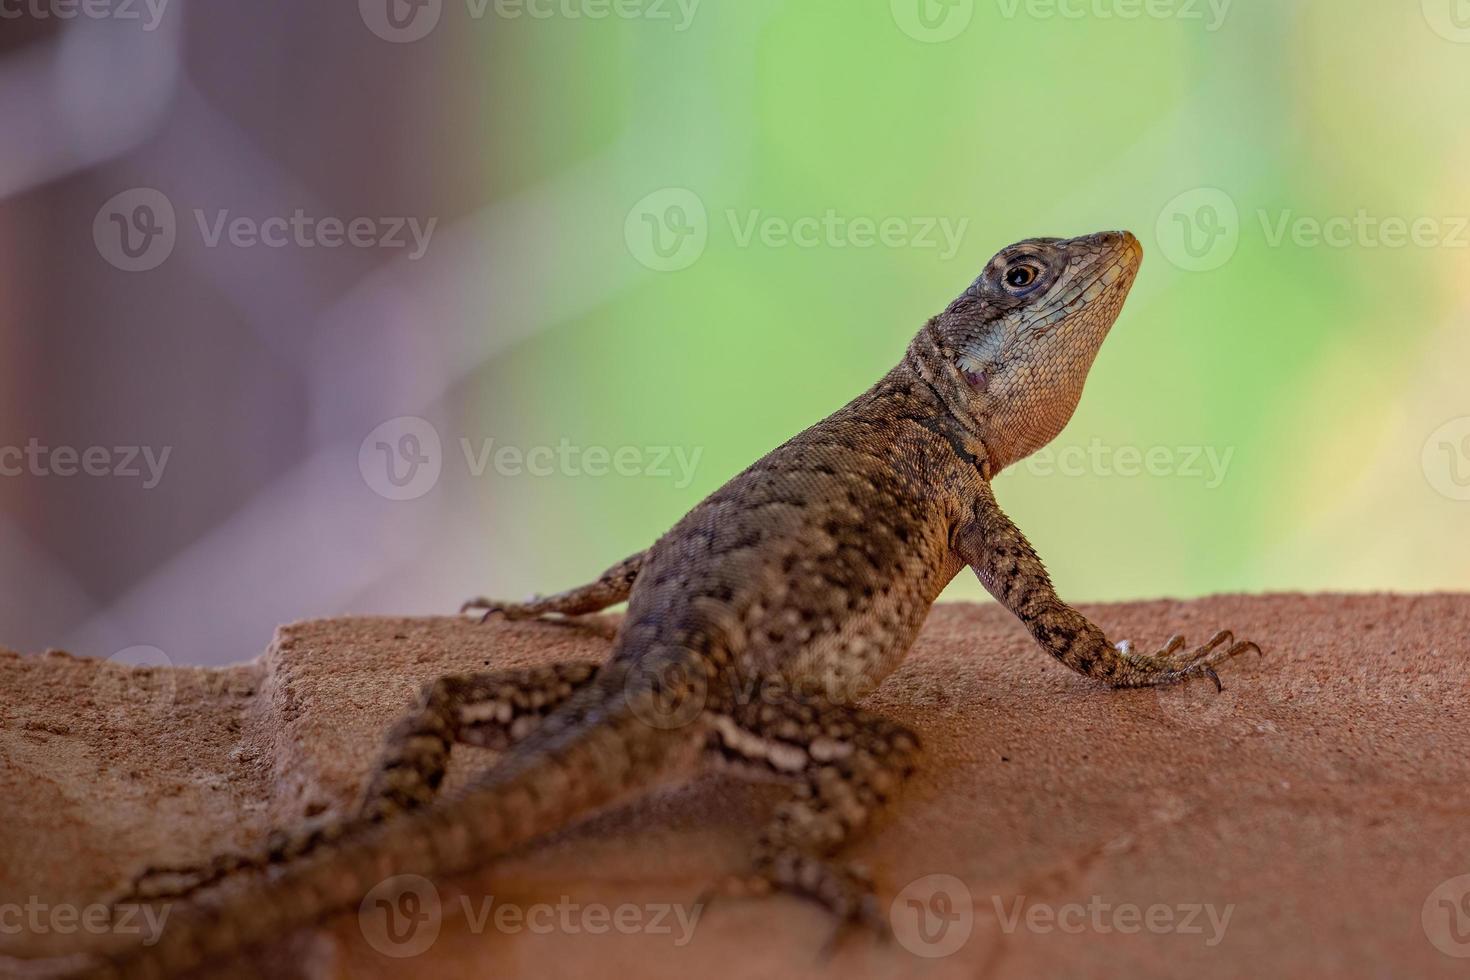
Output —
<point x="753" y="626"/>
<point x="492" y="710"/>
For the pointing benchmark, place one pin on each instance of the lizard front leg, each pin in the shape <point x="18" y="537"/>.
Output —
<point x="492" y="710"/>
<point x="848" y="764"/>
<point x="1010" y="570"/>
<point x="612" y="587"/>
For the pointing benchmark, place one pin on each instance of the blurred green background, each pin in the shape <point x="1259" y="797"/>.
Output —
<point x="1281" y="406"/>
<point x="662" y="236"/>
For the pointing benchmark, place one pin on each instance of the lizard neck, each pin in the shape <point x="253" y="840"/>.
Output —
<point x="937" y="382"/>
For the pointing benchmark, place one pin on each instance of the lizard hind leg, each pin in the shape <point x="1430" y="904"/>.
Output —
<point x="848" y="765"/>
<point x="493" y="710"/>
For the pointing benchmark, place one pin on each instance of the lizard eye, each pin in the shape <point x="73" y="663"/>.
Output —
<point x="1021" y="275"/>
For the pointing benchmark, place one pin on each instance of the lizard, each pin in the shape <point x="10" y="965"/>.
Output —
<point x="753" y="628"/>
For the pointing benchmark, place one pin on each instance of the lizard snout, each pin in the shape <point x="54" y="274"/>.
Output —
<point x="1116" y="241"/>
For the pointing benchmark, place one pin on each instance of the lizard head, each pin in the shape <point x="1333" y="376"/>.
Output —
<point x="1019" y="342"/>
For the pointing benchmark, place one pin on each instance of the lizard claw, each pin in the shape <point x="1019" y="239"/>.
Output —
<point x="1168" y="667"/>
<point x="487" y="608"/>
<point x="510" y="610"/>
<point x="868" y="917"/>
<point x="846" y="892"/>
<point x="734" y="886"/>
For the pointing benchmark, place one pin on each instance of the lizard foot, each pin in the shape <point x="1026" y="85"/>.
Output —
<point x="492" y="607"/>
<point x="846" y="891"/>
<point x="155" y="883"/>
<point x="1167" y="666"/>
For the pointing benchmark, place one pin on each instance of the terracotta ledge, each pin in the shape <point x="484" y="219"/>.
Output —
<point x="1318" y="802"/>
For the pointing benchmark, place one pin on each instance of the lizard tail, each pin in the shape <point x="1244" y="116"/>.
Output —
<point x="604" y="751"/>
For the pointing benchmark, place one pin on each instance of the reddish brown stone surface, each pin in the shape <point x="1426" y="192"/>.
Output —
<point x="1321" y="802"/>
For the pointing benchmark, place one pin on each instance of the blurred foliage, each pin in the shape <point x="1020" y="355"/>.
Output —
<point x="1318" y="371"/>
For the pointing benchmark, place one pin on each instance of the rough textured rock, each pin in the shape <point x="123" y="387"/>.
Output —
<point x="1322" y="800"/>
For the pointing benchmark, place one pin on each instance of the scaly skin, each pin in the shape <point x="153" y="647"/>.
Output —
<point x="753" y="627"/>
